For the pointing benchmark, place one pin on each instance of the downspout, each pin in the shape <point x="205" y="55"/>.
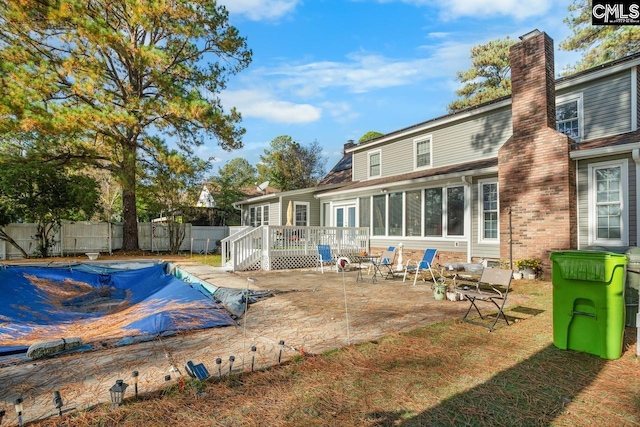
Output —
<point x="635" y="153"/>
<point x="468" y="217"/>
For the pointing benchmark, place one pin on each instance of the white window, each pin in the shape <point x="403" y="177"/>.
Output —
<point x="608" y="203"/>
<point x="444" y="212"/>
<point x="488" y="212"/>
<point x="375" y="163"/>
<point x="569" y="119"/>
<point x="301" y="214"/>
<point x="259" y="215"/>
<point x="422" y="152"/>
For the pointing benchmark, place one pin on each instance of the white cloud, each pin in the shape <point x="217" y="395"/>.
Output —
<point x="361" y="73"/>
<point x="258" y="10"/>
<point x="453" y="9"/>
<point x="517" y="9"/>
<point x="263" y="105"/>
<point x="340" y="111"/>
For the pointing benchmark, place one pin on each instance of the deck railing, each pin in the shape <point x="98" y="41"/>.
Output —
<point x="271" y="247"/>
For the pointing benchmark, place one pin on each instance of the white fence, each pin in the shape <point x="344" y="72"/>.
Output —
<point x="81" y="237"/>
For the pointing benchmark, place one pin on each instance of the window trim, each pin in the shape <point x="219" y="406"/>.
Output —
<point x="593" y="240"/>
<point x="369" y="154"/>
<point x="415" y="152"/>
<point x="580" y="106"/>
<point x="481" y="238"/>
<point x="262" y="208"/>
<point x="305" y="204"/>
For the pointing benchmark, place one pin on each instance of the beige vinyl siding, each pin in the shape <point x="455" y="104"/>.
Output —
<point x="472" y="139"/>
<point x="418" y="245"/>
<point x="314" y="208"/>
<point x="606" y="105"/>
<point x="583" y="199"/>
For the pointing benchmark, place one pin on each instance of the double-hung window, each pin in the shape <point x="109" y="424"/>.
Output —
<point x="569" y="116"/>
<point x="375" y="164"/>
<point x="488" y="208"/>
<point x="422" y="152"/>
<point x="608" y="203"/>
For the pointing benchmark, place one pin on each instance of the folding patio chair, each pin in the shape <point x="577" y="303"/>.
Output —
<point x="385" y="262"/>
<point x="389" y="249"/>
<point x="325" y="256"/>
<point x="493" y="287"/>
<point x="421" y="267"/>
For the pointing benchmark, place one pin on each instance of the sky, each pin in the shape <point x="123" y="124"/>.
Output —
<point x="332" y="70"/>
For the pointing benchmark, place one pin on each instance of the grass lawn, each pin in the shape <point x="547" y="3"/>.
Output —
<point x="452" y="373"/>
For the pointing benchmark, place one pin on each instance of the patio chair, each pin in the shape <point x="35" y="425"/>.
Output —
<point x="493" y="286"/>
<point x="421" y="267"/>
<point x="382" y="258"/>
<point x="325" y="257"/>
<point x="386" y="262"/>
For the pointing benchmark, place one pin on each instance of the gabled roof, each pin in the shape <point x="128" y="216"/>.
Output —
<point x="248" y="191"/>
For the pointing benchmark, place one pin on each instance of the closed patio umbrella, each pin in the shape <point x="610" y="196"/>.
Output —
<point x="290" y="213"/>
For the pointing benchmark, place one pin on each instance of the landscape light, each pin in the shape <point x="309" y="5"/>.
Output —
<point x="281" y="344"/>
<point x="219" y="363"/>
<point x="253" y="356"/>
<point x="231" y="359"/>
<point x="117" y="392"/>
<point x="57" y="402"/>
<point x="19" y="408"/>
<point x="134" y="379"/>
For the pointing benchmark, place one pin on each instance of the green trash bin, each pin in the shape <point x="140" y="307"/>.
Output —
<point x="588" y="301"/>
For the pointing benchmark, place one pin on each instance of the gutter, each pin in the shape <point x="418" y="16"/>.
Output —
<point x="604" y="151"/>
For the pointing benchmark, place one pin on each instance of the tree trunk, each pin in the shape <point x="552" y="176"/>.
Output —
<point x="129" y="209"/>
<point x="4" y="236"/>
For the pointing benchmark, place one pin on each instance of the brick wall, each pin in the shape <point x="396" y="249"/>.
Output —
<point x="536" y="175"/>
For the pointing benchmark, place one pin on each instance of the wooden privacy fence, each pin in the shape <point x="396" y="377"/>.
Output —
<point x="76" y="238"/>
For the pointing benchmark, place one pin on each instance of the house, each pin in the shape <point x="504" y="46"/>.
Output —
<point x="552" y="167"/>
<point x="271" y="208"/>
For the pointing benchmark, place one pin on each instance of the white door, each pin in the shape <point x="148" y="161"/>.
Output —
<point x="344" y="216"/>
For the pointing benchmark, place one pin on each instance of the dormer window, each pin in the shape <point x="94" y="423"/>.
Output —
<point x="569" y="116"/>
<point x="422" y="150"/>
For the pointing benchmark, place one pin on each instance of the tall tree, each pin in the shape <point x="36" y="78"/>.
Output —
<point x="598" y="43"/>
<point x="45" y="193"/>
<point x="369" y="136"/>
<point x="170" y="188"/>
<point x="288" y="165"/>
<point x="110" y="74"/>
<point x="488" y="78"/>
<point x="239" y="173"/>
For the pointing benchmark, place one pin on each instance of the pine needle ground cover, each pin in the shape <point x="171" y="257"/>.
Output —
<point x="451" y="373"/>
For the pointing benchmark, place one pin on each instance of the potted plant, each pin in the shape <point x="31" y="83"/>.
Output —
<point x="529" y="267"/>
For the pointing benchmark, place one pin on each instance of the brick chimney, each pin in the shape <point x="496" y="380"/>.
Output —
<point x="350" y="144"/>
<point x="536" y="175"/>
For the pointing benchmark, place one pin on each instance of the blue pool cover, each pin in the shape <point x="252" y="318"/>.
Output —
<point x="98" y="303"/>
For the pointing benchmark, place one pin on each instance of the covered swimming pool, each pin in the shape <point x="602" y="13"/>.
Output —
<point x="107" y="304"/>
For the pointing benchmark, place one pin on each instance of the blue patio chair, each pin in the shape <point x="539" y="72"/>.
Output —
<point x="325" y="256"/>
<point x="421" y="267"/>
